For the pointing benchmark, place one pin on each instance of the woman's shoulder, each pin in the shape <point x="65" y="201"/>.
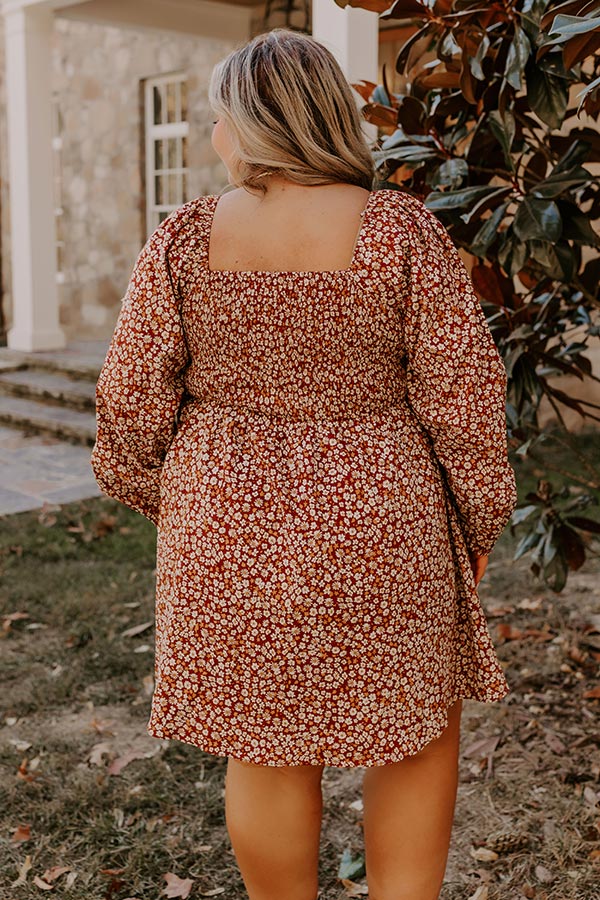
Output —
<point x="396" y="203"/>
<point x="183" y="221"/>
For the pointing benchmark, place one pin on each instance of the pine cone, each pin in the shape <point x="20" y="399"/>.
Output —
<point x="507" y="842"/>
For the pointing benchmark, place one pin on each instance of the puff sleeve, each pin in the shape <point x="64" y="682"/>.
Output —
<point x="456" y="382"/>
<point x="141" y="384"/>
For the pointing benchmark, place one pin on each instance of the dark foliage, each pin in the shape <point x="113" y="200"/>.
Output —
<point x="496" y="132"/>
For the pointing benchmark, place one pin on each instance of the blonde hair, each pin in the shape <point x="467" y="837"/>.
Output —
<point x="290" y="111"/>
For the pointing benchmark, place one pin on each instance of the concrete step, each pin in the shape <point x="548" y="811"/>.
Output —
<point x="43" y="418"/>
<point x="52" y="387"/>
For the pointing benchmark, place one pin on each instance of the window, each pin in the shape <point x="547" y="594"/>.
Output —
<point x="166" y="146"/>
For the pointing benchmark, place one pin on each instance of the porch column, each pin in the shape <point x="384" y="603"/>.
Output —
<point x="28" y="34"/>
<point x="351" y="34"/>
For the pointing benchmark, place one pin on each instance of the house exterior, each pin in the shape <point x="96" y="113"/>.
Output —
<point x="104" y="128"/>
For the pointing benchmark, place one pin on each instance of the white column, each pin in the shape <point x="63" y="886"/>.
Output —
<point x="28" y="32"/>
<point x="352" y="35"/>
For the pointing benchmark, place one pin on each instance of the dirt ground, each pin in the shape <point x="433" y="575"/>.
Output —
<point x="92" y="808"/>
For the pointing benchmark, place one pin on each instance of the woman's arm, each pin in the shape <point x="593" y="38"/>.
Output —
<point x="456" y="381"/>
<point x="140" y="386"/>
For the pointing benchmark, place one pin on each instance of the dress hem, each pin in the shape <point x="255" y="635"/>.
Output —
<point x="224" y="749"/>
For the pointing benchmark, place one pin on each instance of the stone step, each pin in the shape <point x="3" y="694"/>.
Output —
<point x="81" y="359"/>
<point x="43" y="418"/>
<point x="52" y="387"/>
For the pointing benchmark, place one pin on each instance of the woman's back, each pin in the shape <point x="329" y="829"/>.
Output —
<point x="293" y="228"/>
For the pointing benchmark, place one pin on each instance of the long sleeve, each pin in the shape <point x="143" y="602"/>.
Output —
<point x="456" y="382"/>
<point x="141" y="384"/>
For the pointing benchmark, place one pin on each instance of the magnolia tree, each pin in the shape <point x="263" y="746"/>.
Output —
<point x="496" y="131"/>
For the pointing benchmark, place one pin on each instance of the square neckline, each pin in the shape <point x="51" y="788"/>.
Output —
<point x="287" y="272"/>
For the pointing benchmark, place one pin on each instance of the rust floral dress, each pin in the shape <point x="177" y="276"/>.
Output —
<point x="320" y="452"/>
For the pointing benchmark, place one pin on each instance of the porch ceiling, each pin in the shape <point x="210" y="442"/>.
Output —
<point x="228" y="20"/>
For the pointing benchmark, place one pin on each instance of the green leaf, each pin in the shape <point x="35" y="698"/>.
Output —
<point x="551" y="259"/>
<point x="409" y="153"/>
<point x="499" y="193"/>
<point x="577" y="226"/>
<point x="512" y="358"/>
<point x="502" y="127"/>
<point x="555" y="574"/>
<point x="577" y="152"/>
<point x="488" y="231"/>
<point x="451" y="173"/>
<point x="565" y="27"/>
<point x="516" y="60"/>
<point x="586" y="92"/>
<point x="527" y="542"/>
<point x="457" y="199"/>
<point x="547" y="95"/>
<point x="349" y="867"/>
<point x="522" y="513"/>
<point x="476" y="61"/>
<point x="380" y="95"/>
<point x="513" y="255"/>
<point x="561" y="181"/>
<point x="566" y="260"/>
<point x="538" y="219"/>
<point x="585" y="524"/>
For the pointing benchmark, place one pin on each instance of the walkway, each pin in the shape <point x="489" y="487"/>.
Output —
<point x="37" y="469"/>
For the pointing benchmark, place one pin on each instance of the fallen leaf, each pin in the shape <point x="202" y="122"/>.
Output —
<point x="577" y="654"/>
<point x="590" y="796"/>
<point x="543" y="874"/>
<point x="24" y="774"/>
<point x="483" y="750"/>
<point x="482" y="854"/>
<point x="22" y="879"/>
<point x="13" y="617"/>
<point x="137" y="629"/>
<point x="118" y="764"/>
<point x="42" y="884"/>
<point x="21" y="833"/>
<point x="554" y="742"/>
<point x="104" y="525"/>
<point x="20" y="745"/>
<point x="353" y="889"/>
<point x="592" y="694"/>
<point x="351" y="867"/>
<point x="495" y="611"/>
<point x="531" y="603"/>
<point x="483" y="747"/>
<point x="55" y="872"/>
<point x="98" y="751"/>
<point x="506" y="632"/>
<point x="212" y="893"/>
<point x="177" y="887"/>
<point x="102" y="726"/>
<point x="481" y="893"/>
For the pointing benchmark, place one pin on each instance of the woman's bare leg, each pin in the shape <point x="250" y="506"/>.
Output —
<point x="408" y="816"/>
<point x="273" y="816"/>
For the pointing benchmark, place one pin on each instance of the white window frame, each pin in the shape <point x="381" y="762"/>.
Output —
<point x="179" y="129"/>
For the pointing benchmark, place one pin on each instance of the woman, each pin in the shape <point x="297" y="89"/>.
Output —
<point x="302" y="393"/>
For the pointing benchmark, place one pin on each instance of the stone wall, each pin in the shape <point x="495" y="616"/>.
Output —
<point x="98" y="84"/>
